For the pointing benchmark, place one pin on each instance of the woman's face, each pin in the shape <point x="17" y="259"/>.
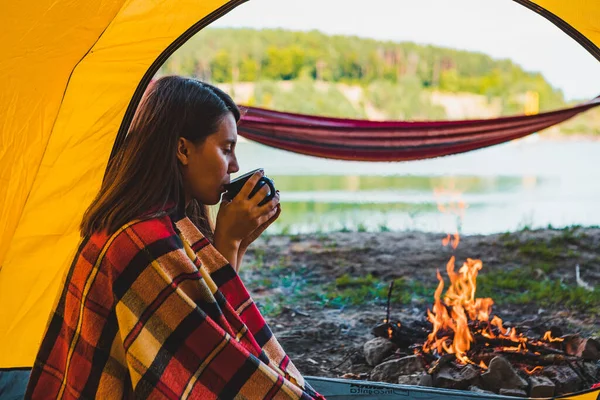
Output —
<point x="206" y="167"/>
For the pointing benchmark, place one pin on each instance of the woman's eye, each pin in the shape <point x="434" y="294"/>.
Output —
<point x="227" y="151"/>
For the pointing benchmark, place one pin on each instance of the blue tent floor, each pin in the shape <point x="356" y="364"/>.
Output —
<point x="13" y="383"/>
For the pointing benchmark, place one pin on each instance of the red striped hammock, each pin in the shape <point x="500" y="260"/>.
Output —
<point x="361" y="140"/>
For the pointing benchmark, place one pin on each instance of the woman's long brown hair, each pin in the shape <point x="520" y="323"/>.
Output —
<point x="145" y="173"/>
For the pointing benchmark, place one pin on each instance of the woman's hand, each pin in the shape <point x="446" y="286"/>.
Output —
<point x="239" y="218"/>
<point x="253" y="236"/>
<point x="258" y="231"/>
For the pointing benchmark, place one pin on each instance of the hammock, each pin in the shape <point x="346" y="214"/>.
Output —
<point x="361" y="140"/>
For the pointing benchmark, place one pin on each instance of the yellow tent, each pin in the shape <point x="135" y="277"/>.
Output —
<point x="72" y="73"/>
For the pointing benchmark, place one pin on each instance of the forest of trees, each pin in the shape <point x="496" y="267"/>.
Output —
<point x="396" y="78"/>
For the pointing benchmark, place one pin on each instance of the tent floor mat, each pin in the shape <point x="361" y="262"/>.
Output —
<point x="339" y="389"/>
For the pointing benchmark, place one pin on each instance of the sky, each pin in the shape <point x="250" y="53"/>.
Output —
<point x="499" y="28"/>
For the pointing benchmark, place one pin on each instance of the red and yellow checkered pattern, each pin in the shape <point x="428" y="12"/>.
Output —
<point x="155" y="311"/>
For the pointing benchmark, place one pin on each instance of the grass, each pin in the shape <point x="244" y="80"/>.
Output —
<point x="515" y="287"/>
<point x="269" y="307"/>
<point x="350" y="290"/>
<point x="384" y="228"/>
<point x="557" y="248"/>
<point x="540" y="250"/>
<point x="518" y="286"/>
<point x="346" y="290"/>
<point x="523" y="286"/>
<point x="259" y="258"/>
<point x="296" y="238"/>
<point x="293" y="289"/>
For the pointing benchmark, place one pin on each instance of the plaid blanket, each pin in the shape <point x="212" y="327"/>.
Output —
<point x="155" y="311"/>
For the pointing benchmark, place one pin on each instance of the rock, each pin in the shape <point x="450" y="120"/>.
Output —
<point x="381" y="330"/>
<point x="513" y="392"/>
<point x="389" y="371"/>
<point x="591" y="368"/>
<point x="565" y="379"/>
<point x="386" y="258"/>
<point x="450" y="377"/>
<point x="395" y="355"/>
<point x="358" y="358"/>
<point x="588" y="349"/>
<point x="413" y="379"/>
<point x="501" y="375"/>
<point x="426" y="380"/>
<point x="541" y="386"/>
<point x="377" y="349"/>
<point x="479" y="390"/>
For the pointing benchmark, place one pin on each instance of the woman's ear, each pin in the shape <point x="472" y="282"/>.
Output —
<point x="183" y="151"/>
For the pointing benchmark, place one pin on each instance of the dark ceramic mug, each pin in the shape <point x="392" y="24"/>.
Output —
<point x="234" y="187"/>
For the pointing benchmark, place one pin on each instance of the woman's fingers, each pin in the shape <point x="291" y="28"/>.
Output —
<point x="250" y="184"/>
<point x="271" y="204"/>
<point x="270" y="217"/>
<point x="260" y="214"/>
<point x="262" y="193"/>
<point x="277" y="212"/>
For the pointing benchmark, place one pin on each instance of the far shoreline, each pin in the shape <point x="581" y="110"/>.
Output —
<point x="561" y="137"/>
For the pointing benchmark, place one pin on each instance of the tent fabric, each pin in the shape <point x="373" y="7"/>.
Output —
<point x="71" y="71"/>
<point x="580" y="19"/>
<point x="360" y="140"/>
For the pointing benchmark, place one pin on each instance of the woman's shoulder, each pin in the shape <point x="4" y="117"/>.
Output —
<point x="149" y="227"/>
<point x="151" y="234"/>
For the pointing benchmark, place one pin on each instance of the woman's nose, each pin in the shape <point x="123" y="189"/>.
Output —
<point x="234" y="166"/>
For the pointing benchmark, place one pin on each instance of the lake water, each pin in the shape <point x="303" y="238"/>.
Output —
<point x="529" y="183"/>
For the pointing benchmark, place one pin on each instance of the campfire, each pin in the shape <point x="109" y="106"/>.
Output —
<point x="463" y="345"/>
<point x="462" y="321"/>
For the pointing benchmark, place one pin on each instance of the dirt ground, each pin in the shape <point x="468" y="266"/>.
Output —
<point x="322" y="294"/>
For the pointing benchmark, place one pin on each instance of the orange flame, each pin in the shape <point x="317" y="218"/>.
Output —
<point x="534" y="370"/>
<point x="548" y="338"/>
<point x="446" y="240"/>
<point x="449" y="201"/>
<point x="456" y="240"/>
<point x="450" y="318"/>
<point x="451" y="331"/>
<point x="460" y="298"/>
<point x="453" y="240"/>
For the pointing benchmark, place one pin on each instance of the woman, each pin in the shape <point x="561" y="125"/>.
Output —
<point x="152" y="306"/>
